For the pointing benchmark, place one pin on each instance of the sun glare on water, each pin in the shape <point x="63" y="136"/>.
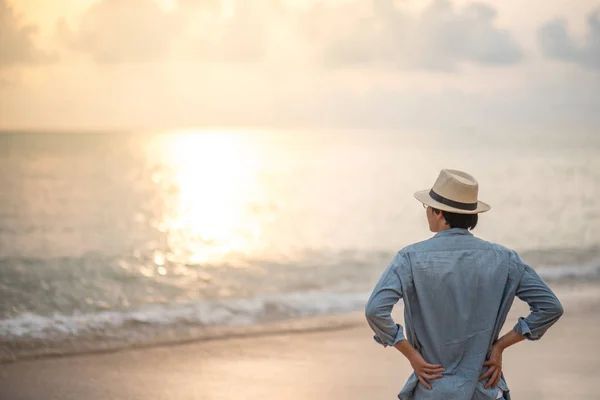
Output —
<point x="214" y="192"/>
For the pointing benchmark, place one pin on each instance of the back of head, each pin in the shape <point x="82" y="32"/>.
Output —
<point x="454" y="220"/>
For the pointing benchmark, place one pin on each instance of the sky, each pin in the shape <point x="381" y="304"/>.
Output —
<point x="498" y="66"/>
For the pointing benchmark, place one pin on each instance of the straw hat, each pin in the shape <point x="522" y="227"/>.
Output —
<point x="453" y="191"/>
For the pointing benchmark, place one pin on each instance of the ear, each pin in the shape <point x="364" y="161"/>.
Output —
<point x="439" y="216"/>
<point x="443" y="219"/>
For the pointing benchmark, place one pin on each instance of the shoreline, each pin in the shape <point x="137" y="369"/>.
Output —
<point x="19" y="350"/>
<point x="574" y="296"/>
<point x="319" y="365"/>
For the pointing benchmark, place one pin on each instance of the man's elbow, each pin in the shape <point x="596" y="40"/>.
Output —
<point x="558" y="310"/>
<point x="372" y="311"/>
<point x="554" y="311"/>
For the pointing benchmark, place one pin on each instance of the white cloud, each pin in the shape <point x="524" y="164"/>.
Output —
<point x="217" y="33"/>
<point x="116" y="31"/>
<point x="557" y="43"/>
<point x="134" y="31"/>
<point x="260" y="62"/>
<point x="438" y="38"/>
<point x="16" y="40"/>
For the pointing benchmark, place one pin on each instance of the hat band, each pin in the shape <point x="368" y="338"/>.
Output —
<point x="452" y="203"/>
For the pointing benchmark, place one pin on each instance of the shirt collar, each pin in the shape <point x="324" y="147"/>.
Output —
<point x="453" y="231"/>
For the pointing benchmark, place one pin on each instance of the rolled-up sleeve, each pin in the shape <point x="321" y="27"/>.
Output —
<point x="386" y="294"/>
<point x="544" y="305"/>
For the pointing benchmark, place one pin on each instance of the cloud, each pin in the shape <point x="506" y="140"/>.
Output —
<point x="439" y="38"/>
<point x="137" y="31"/>
<point x="556" y="42"/>
<point x="195" y="5"/>
<point x="215" y="35"/>
<point x="16" y="40"/>
<point x="117" y="31"/>
<point x="352" y="33"/>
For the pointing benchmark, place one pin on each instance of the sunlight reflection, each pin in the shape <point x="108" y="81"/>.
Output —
<point x="213" y="182"/>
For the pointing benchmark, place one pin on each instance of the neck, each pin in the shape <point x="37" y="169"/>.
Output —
<point x="442" y="226"/>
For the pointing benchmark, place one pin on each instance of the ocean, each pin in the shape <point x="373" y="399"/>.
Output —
<point x="122" y="239"/>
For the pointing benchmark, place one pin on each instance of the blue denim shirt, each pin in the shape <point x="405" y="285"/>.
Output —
<point x="457" y="291"/>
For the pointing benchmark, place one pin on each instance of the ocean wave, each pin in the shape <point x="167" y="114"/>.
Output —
<point x="352" y="281"/>
<point x="224" y="312"/>
<point x="29" y="335"/>
<point x="565" y="272"/>
<point x="229" y="312"/>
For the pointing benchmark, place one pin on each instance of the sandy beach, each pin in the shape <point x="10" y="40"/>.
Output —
<point x="326" y="364"/>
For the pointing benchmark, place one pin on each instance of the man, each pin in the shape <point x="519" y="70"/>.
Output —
<point x="457" y="291"/>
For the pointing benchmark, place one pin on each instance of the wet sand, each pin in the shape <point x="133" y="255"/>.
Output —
<point x="337" y="364"/>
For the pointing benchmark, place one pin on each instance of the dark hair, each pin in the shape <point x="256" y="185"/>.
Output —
<point x="454" y="220"/>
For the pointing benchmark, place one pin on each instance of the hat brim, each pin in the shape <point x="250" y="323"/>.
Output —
<point x="424" y="197"/>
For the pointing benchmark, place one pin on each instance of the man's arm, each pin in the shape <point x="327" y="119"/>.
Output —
<point x="545" y="311"/>
<point x="494" y="362"/>
<point x="423" y="370"/>
<point x="544" y="305"/>
<point x="511" y="337"/>
<point x="386" y="294"/>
